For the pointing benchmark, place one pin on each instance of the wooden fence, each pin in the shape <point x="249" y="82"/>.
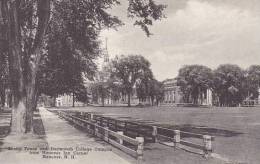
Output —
<point x="179" y="138"/>
<point x="129" y="130"/>
<point x="132" y="146"/>
<point x="251" y="103"/>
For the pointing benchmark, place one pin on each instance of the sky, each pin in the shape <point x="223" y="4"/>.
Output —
<point x="206" y="32"/>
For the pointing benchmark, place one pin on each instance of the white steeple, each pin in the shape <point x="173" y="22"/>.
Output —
<point x="106" y="55"/>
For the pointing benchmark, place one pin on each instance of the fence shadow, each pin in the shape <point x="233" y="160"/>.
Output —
<point x="204" y="130"/>
<point x="38" y="127"/>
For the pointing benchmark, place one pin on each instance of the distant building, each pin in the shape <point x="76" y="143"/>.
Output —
<point x="67" y="100"/>
<point x="172" y="92"/>
<point x="174" y="96"/>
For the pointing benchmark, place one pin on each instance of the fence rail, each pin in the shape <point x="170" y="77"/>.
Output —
<point x="117" y="139"/>
<point x="177" y="137"/>
<point x="124" y="132"/>
<point x="251" y="103"/>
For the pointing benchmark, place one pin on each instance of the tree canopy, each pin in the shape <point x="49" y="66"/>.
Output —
<point x="128" y="70"/>
<point x="193" y="80"/>
<point x="228" y="80"/>
<point x="252" y="81"/>
<point x="34" y="29"/>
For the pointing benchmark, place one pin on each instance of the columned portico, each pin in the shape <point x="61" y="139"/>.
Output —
<point x="174" y="96"/>
<point x="171" y="92"/>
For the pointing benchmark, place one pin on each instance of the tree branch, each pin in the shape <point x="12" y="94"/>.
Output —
<point x="43" y="12"/>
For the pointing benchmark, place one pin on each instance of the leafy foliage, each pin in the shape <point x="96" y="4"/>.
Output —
<point x="253" y="76"/>
<point x="129" y="70"/>
<point x="100" y="90"/>
<point x="145" y="11"/>
<point x="193" y="80"/>
<point x="73" y="42"/>
<point x="228" y="80"/>
<point x="150" y="89"/>
<point x="36" y="26"/>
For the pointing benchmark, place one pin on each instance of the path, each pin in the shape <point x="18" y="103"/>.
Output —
<point x="59" y="135"/>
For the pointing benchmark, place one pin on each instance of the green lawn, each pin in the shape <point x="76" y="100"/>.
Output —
<point x="237" y="130"/>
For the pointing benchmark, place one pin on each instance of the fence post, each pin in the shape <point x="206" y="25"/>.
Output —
<point x="119" y="139"/>
<point x="91" y="117"/>
<point x="177" y="138"/>
<point x="82" y="114"/>
<point x="82" y="124"/>
<point x="108" y="122"/>
<point x="106" y="137"/>
<point x="101" y="121"/>
<point x="140" y="149"/>
<point x="115" y="125"/>
<point x="96" y="130"/>
<point x="125" y="128"/>
<point x="88" y="128"/>
<point x="207" y="145"/>
<point x="154" y="134"/>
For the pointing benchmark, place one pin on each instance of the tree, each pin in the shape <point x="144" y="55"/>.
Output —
<point x="115" y="89"/>
<point x="129" y="70"/>
<point x="3" y="77"/>
<point x="25" y="38"/>
<point x="81" y="94"/>
<point x="100" y="90"/>
<point x="142" y="90"/>
<point x="65" y="67"/>
<point x="27" y="24"/>
<point x="228" y="80"/>
<point x="193" y="81"/>
<point x="252" y="81"/>
<point x="156" y="91"/>
<point x="150" y="88"/>
<point x="143" y="86"/>
<point x="3" y="61"/>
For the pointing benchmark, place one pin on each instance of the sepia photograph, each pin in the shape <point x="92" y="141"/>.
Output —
<point x="129" y="81"/>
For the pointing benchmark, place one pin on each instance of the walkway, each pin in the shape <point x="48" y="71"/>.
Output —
<point x="61" y="141"/>
<point x="62" y="135"/>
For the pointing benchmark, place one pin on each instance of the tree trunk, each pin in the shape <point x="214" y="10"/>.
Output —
<point x="2" y="97"/>
<point x="73" y="99"/>
<point x="15" y="67"/>
<point x="18" y="117"/>
<point x="103" y="100"/>
<point x="129" y="99"/>
<point x="23" y="85"/>
<point x="152" y="100"/>
<point x="54" y="101"/>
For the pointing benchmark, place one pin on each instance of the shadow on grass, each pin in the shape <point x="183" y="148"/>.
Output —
<point x="4" y="128"/>
<point x="38" y="127"/>
<point x="205" y="130"/>
<point x="4" y="131"/>
<point x="5" y="116"/>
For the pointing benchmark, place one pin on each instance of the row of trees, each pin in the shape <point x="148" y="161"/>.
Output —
<point x="43" y="40"/>
<point x="230" y="83"/>
<point x="124" y="74"/>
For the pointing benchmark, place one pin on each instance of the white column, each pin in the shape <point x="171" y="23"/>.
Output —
<point x="258" y="95"/>
<point x="209" y="97"/>
<point x="173" y="96"/>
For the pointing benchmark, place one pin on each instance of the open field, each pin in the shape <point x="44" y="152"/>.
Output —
<point x="237" y="130"/>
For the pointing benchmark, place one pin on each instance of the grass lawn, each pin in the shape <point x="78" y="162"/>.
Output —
<point x="237" y="130"/>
